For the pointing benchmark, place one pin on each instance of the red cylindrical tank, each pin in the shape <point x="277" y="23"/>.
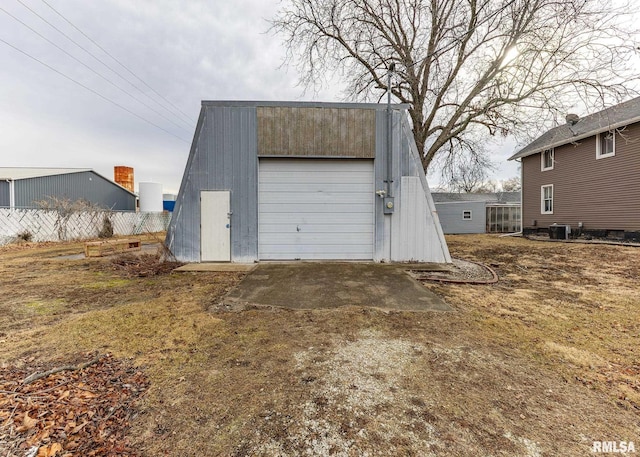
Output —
<point x="123" y="176"/>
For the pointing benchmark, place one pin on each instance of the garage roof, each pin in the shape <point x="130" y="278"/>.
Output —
<point x="27" y="172"/>
<point x="17" y="173"/>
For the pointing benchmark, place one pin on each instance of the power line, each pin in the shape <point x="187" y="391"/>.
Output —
<point x="90" y="68"/>
<point x="93" y="91"/>
<point x="191" y="118"/>
<point x="188" y="123"/>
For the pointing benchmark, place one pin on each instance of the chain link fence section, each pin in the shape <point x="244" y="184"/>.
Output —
<point x="50" y="225"/>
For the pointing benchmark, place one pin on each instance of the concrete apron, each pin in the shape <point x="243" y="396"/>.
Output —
<point x="314" y="285"/>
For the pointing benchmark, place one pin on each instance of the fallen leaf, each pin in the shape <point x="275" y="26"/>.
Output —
<point x="50" y="450"/>
<point x="79" y="427"/>
<point x="64" y="395"/>
<point x="54" y="449"/>
<point x="28" y="423"/>
<point x="87" y="394"/>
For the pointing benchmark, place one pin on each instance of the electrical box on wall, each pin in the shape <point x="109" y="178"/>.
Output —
<point x="389" y="205"/>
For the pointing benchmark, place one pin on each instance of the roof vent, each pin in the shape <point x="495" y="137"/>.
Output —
<point x="572" y="119"/>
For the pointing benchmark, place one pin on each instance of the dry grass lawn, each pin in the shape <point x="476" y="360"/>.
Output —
<point x="540" y="364"/>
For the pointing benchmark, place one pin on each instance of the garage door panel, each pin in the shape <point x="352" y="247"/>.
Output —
<point x="315" y="238"/>
<point x="285" y="219"/>
<point x="317" y="228"/>
<point x="294" y="251"/>
<point x="316" y="209"/>
<point x="318" y="178"/>
<point x="314" y="255"/>
<point x="331" y="198"/>
<point x="327" y="208"/>
<point x="268" y="188"/>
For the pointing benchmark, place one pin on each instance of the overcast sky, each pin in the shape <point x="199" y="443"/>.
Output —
<point x="186" y="51"/>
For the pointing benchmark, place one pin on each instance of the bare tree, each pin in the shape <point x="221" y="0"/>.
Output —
<point x="469" y="69"/>
<point x="511" y="185"/>
<point x="466" y="174"/>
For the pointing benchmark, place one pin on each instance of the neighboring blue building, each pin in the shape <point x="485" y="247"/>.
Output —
<point x="461" y="213"/>
<point x="26" y="187"/>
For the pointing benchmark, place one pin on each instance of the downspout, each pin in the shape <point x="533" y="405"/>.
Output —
<point x="389" y="134"/>
<point x="388" y="202"/>
<point x="520" y="232"/>
<point x="521" y="196"/>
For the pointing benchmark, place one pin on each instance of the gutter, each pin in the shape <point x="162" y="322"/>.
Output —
<point x="519" y="233"/>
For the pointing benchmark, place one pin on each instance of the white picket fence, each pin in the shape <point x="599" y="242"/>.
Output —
<point x="50" y="225"/>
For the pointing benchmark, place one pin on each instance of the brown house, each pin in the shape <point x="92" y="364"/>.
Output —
<point x="585" y="175"/>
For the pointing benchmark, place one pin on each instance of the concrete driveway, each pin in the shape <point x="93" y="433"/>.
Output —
<point x="312" y="285"/>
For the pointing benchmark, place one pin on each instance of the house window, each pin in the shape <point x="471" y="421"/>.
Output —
<point x="606" y="145"/>
<point x="546" y="197"/>
<point x="466" y="215"/>
<point x="547" y="160"/>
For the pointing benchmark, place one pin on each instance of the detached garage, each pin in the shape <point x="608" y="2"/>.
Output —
<point x="304" y="181"/>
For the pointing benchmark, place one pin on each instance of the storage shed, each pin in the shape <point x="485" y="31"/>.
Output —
<point x="296" y="180"/>
<point x="462" y="213"/>
<point x="24" y="187"/>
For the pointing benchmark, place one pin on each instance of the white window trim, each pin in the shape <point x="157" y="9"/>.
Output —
<point x="542" y="211"/>
<point x="599" y="155"/>
<point x="553" y="159"/>
<point x="470" y="218"/>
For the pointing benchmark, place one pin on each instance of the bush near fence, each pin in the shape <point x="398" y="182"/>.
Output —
<point x="51" y="225"/>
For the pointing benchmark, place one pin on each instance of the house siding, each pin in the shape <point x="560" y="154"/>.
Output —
<point x="85" y="185"/>
<point x="603" y="194"/>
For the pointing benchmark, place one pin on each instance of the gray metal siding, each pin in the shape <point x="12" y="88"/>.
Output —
<point x="450" y="214"/>
<point x="85" y="185"/>
<point x="392" y="232"/>
<point x="5" y="194"/>
<point x="427" y="243"/>
<point x="223" y="157"/>
<point x="603" y="194"/>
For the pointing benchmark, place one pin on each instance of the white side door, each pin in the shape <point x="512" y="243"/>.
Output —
<point x="215" y="226"/>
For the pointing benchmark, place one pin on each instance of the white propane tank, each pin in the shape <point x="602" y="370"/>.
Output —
<point x="150" y="197"/>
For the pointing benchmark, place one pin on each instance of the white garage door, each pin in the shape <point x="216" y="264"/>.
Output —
<point x="315" y="209"/>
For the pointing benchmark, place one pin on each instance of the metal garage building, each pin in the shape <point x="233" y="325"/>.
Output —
<point x="24" y="187"/>
<point x="295" y="180"/>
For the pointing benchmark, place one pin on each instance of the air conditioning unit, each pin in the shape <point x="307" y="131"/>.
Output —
<point x="559" y="232"/>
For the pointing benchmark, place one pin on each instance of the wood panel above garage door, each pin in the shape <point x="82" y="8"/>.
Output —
<point x="315" y="209"/>
<point x="316" y="132"/>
